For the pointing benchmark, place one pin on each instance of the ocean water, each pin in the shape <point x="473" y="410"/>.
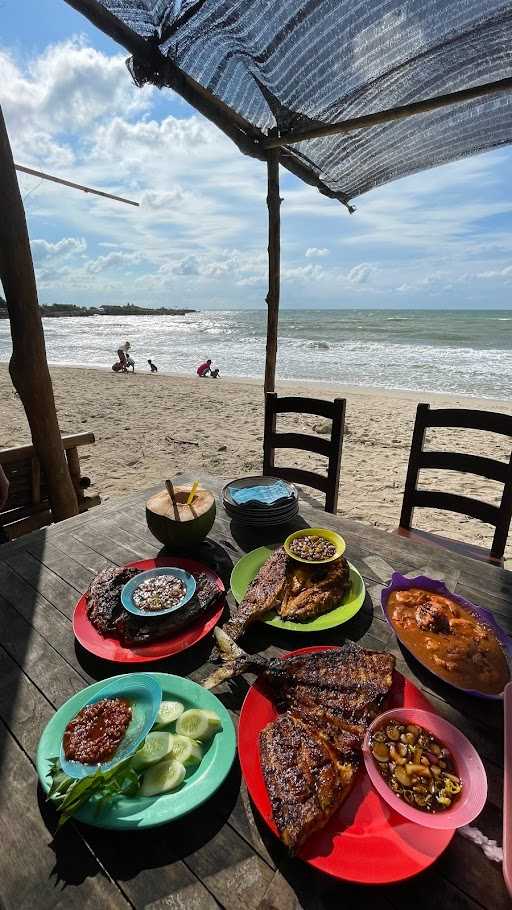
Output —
<point x="463" y="352"/>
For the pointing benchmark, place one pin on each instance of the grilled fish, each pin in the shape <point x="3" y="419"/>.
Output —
<point x="262" y="595"/>
<point x="314" y="590"/>
<point x="305" y="779"/>
<point x="108" y="616"/>
<point x="311" y="752"/>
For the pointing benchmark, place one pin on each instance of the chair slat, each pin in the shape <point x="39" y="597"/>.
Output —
<point x="452" y="502"/>
<point x="466" y="464"/>
<point x="301" y="441"/>
<point x="298" y="475"/>
<point x="469" y="419"/>
<point x="295" y="405"/>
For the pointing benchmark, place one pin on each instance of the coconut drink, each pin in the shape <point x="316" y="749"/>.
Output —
<point x="180" y="516"/>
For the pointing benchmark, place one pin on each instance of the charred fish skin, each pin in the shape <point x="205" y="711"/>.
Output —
<point x="262" y="595"/>
<point x="303" y="781"/>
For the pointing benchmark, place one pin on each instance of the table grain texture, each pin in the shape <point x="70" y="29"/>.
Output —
<point x="222" y="855"/>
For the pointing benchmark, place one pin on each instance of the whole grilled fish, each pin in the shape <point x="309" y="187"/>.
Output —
<point x="310" y="753"/>
<point x="262" y="595"/>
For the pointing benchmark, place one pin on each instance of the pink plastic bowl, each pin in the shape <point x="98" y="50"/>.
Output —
<point x="467" y="762"/>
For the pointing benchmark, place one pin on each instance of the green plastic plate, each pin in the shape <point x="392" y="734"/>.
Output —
<point x="147" y="812"/>
<point x="248" y="567"/>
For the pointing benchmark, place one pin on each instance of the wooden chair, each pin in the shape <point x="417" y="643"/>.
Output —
<point x="27" y="505"/>
<point x="330" y="448"/>
<point x="498" y="516"/>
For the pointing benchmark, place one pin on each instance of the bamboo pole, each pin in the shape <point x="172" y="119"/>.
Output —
<point x="75" y="186"/>
<point x="28" y="365"/>
<point x="274" y="267"/>
<point x="391" y="114"/>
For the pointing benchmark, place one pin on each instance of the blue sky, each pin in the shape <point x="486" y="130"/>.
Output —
<point x="439" y="239"/>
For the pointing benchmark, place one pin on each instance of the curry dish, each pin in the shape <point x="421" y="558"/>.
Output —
<point x="449" y="639"/>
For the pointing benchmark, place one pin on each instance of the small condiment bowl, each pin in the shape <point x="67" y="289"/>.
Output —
<point x="131" y="586"/>
<point x="334" y="538"/>
<point x="144" y="694"/>
<point x="467" y="763"/>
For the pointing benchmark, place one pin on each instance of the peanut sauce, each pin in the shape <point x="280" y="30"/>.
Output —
<point x="94" y="735"/>
<point x="450" y="640"/>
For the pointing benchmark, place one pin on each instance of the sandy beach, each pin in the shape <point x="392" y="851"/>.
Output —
<point x="149" y="427"/>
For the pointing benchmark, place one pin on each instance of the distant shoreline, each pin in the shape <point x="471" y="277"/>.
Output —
<point x="60" y="310"/>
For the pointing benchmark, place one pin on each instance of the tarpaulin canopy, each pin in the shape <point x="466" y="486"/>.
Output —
<point x="279" y="67"/>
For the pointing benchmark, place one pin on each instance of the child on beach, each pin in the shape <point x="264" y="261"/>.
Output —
<point x="204" y="368"/>
<point x="154" y="368"/>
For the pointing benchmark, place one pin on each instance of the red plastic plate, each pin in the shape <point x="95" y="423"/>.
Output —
<point x="112" y="649"/>
<point x="365" y="841"/>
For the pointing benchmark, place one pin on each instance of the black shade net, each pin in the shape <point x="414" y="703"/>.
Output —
<point x="293" y="64"/>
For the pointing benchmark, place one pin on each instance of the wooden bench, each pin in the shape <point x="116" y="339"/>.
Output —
<point x="27" y="506"/>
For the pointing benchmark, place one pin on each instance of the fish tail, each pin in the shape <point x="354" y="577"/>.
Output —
<point x="235" y="660"/>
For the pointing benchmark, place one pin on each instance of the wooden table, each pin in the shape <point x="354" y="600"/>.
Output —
<point x="222" y="854"/>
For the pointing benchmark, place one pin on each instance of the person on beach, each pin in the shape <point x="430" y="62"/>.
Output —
<point x="130" y="363"/>
<point x="122" y="353"/>
<point x="204" y="368"/>
<point x="154" y="368"/>
<point x="214" y="373"/>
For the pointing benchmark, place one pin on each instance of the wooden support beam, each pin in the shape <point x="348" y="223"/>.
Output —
<point x="28" y="365"/>
<point x="391" y="114"/>
<point x="274" y="267"/>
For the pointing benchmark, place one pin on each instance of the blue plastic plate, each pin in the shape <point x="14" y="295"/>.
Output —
<point x="144" y="693"/>
<point x="131" y="586"/>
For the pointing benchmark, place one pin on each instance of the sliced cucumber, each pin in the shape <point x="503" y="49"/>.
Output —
<point x="156" y="747"/>
<point x="194" y="723"/>
<point x="214" y="721"/>
<point x="168" y="713"/>
<point x="167" y="775"/>
<point x="186" y="750"/>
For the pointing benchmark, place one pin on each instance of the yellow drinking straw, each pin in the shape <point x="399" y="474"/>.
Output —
<point x="192" y="492"/>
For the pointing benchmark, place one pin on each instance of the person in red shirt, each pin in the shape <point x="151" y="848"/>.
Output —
<point x="204" y="368"/>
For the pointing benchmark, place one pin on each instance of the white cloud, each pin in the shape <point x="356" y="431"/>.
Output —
<point x="360" y="274"/>
<point x="112" y="261"/>
<point x="314" y="251"/>
<point x="42" y="250"/>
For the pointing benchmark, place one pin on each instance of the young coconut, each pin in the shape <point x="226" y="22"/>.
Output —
<point x="176" y="524"/>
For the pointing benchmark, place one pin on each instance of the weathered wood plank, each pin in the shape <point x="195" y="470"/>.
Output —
<point x="33" y="874"/>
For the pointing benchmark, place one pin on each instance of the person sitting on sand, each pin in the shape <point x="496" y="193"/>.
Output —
<point x="204" y="368"/>
<point x="122" y="352"/>
<point x="154" y="368"/>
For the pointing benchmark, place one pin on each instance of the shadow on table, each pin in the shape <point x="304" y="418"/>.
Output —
<point x="251" y="538"/>
<point x="128" y="853"/>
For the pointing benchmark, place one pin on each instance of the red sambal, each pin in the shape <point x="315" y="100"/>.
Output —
<point x="94" y="735"/>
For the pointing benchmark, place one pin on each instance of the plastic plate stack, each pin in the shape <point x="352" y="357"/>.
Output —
<point x="260" y="501"/>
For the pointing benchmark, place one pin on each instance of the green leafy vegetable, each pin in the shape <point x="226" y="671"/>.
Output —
<point x="69" y="795"/>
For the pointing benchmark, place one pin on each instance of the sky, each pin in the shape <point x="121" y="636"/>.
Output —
<point x="440" y="239"/>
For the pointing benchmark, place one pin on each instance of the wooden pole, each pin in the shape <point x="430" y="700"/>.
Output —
<point x="274" y="267"/>
<point x="75" y="186"/>
<point x="391" y="114"/>
<point x="28" y="365"/>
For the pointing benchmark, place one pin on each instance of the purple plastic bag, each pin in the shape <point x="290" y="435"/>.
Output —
<point x="401" y="583"/>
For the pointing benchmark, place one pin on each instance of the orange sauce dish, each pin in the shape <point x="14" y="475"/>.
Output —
<point x="449" y="639"/>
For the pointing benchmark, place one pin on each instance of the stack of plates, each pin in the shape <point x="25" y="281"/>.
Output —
<point x="260" y="501"/>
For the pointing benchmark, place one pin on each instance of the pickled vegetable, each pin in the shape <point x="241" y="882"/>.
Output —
<point x="419" y="769"/>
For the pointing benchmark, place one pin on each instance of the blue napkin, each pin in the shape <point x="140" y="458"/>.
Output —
<point x="266" y="494"/>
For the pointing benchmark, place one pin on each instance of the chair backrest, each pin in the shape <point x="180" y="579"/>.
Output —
<point x="498" y="516"/>
<point x="330" y="448"/>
